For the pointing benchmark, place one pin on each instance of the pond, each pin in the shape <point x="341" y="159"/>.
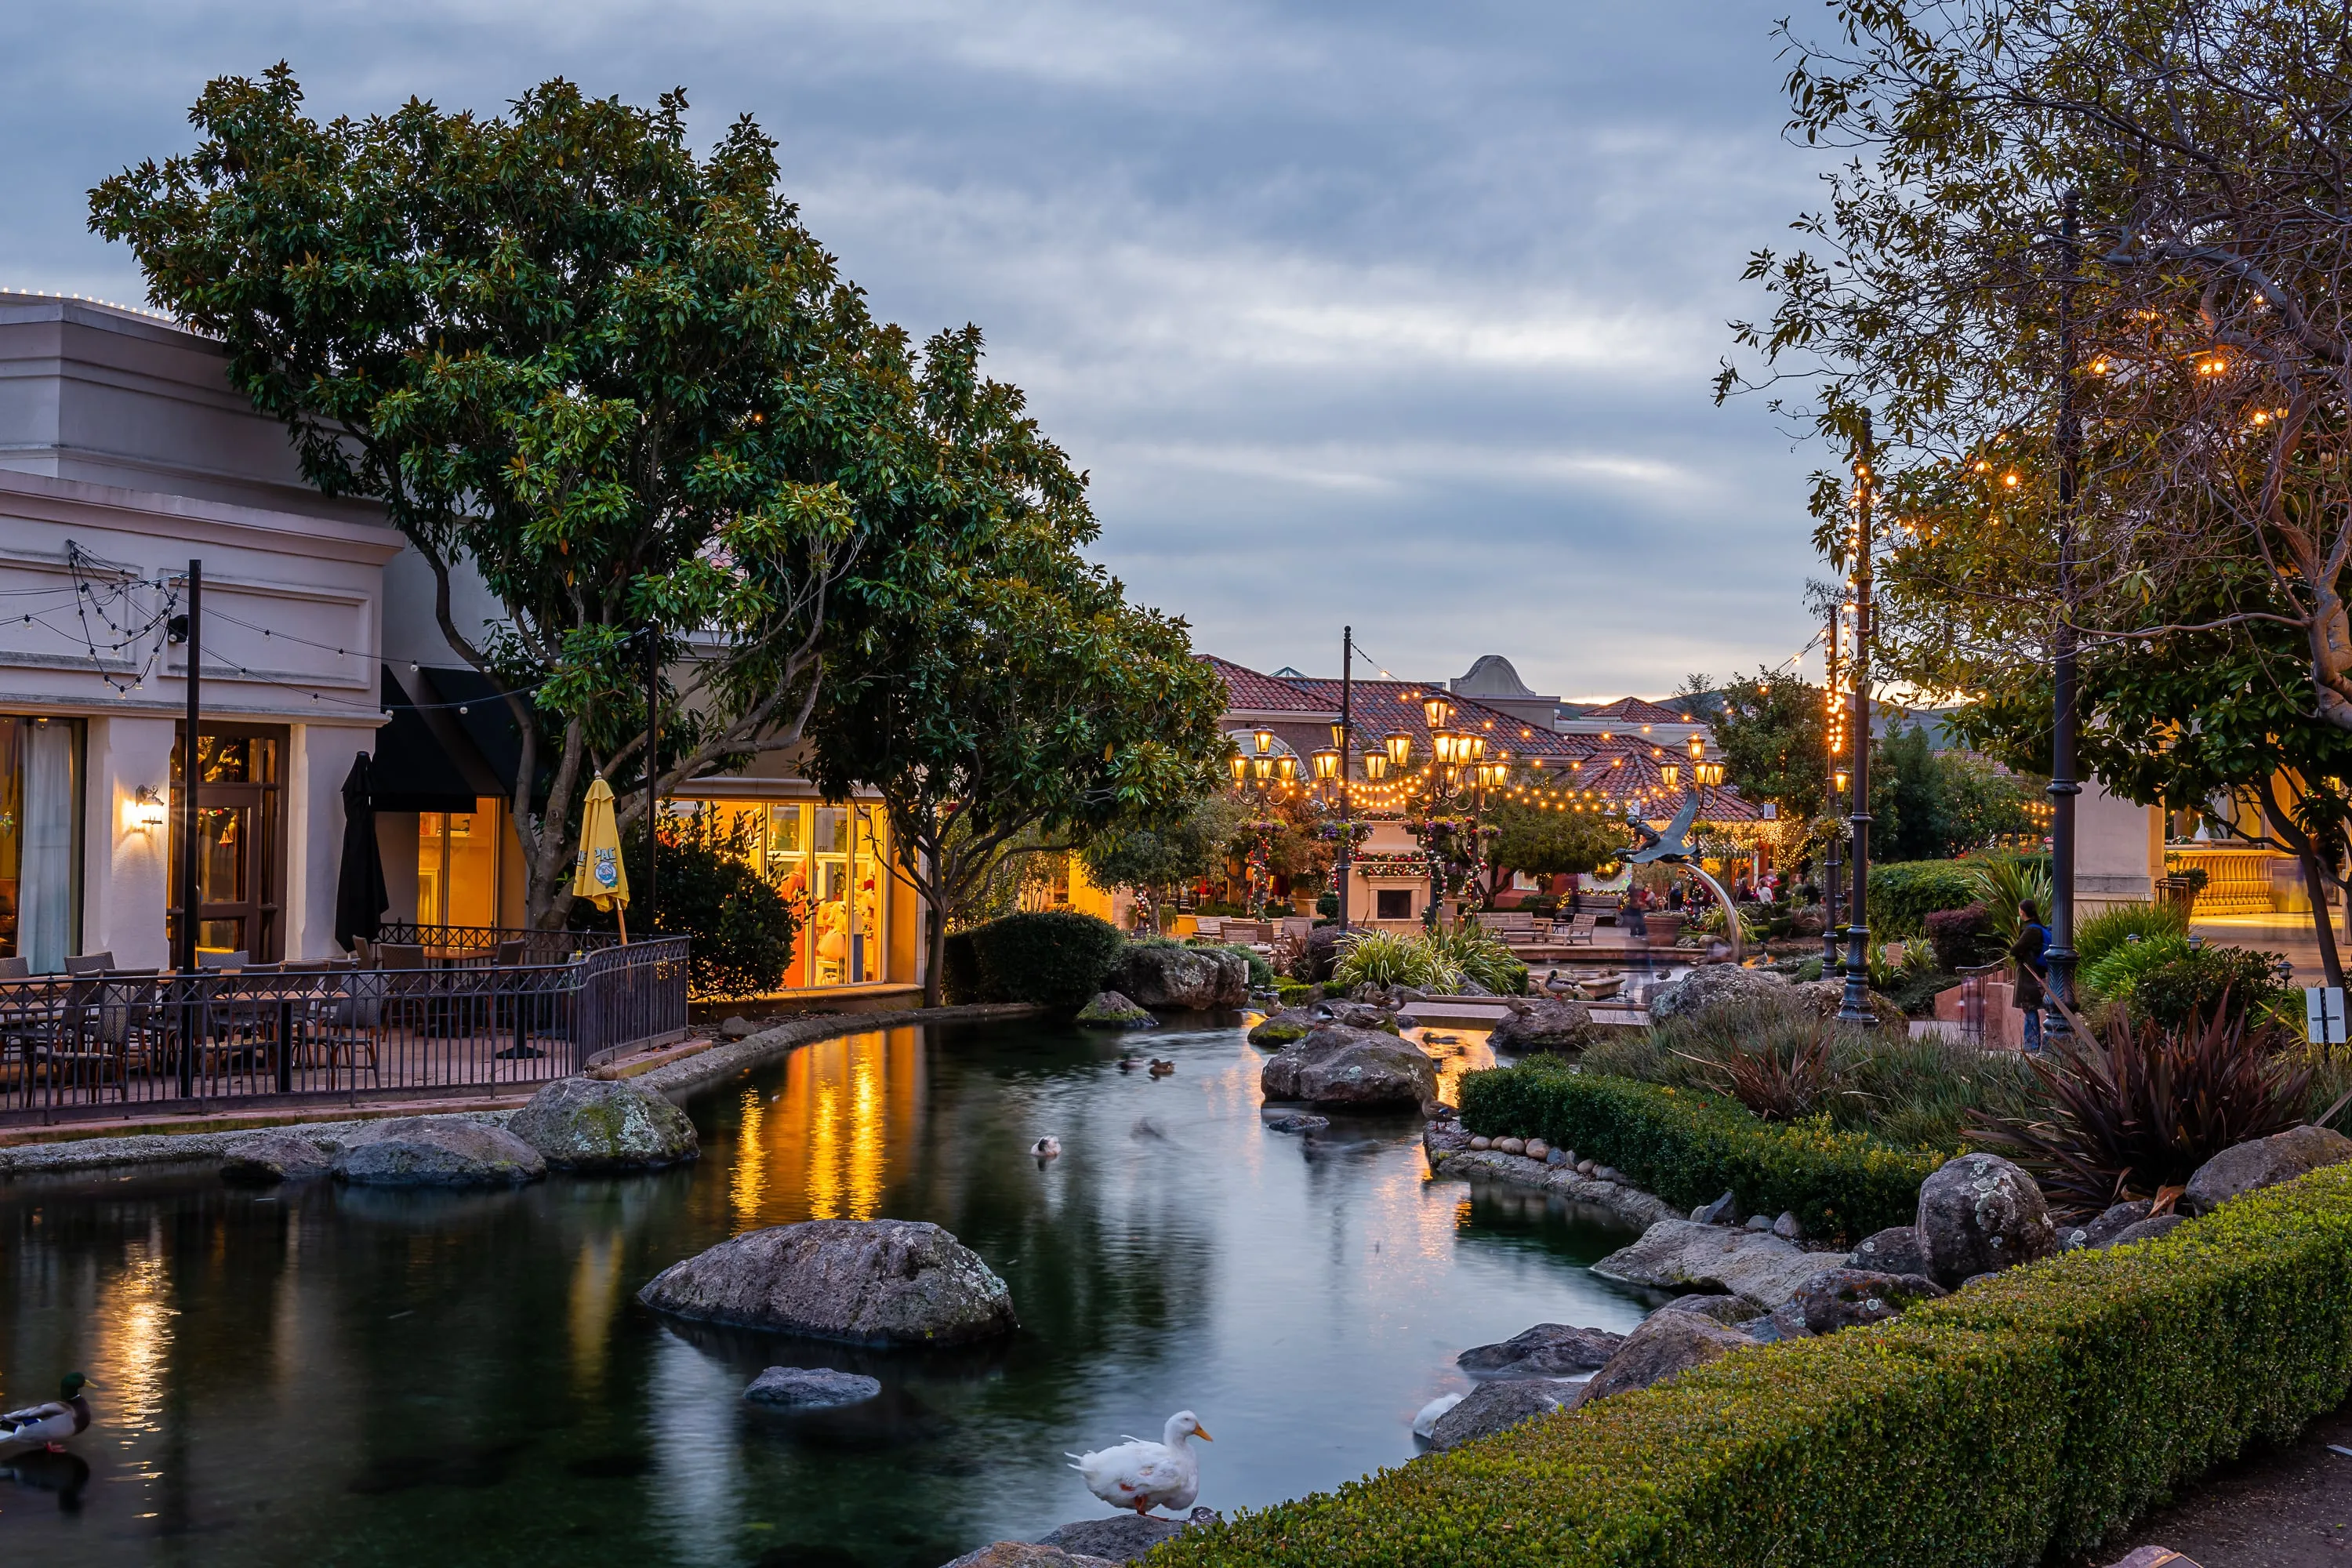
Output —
<point x="347" y="1377"/>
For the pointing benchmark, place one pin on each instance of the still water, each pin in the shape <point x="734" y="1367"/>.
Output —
<point x="324" y="1376"/>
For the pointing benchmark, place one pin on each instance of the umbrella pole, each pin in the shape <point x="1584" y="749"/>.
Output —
<point x="623" y="912"/>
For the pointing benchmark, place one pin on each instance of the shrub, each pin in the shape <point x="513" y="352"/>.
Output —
<point x="1480" y="955"/>
<point x="2112" y="927"/>
<point x="960" y="970"/>
<point x="742" y="923"/>
<point x="1904" y="893"/>
<point x="2147" y="1105"/>
<point x="2169" y="982"/>
<point x="1054" y="957"/>
<point x="2017" y="1422"/>
<point x="1297" y="992"/>
<point x="1689" y="1146"/>
<point x="1962" y="938"/>
<point x="2001" y="881"/>
<point x="1386" y="958"/>
<point x="1778" y="1084"/>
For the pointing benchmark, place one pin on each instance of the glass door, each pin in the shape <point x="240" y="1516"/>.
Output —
<point x="239" y="851"/>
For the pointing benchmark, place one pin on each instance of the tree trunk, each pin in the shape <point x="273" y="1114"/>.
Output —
<point x="935" y="971"/>
<point x="2323" y="919"/>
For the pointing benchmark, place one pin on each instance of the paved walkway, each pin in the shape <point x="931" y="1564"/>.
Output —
<point x="2277" y="1507"/>
<point x="2289" y="934"/>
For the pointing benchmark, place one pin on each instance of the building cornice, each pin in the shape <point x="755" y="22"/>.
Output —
<point x="185" y="520"/>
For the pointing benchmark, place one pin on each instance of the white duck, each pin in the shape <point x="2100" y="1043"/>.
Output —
<point x="1143" y="1475"/>
<point x="65" y="1416"/>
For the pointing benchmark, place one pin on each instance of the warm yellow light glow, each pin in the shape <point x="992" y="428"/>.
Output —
<point x="1326" y="764"/>
<point x="1376" y="765"/>
<point x="1399" y="749"/>
<point x="1671" y="774"/>
<point x="1265" y="739"/>
<point x="2009" y="479"/>
<point x="1239" y="765"/>
<point x="1288" y="767"/>
<point x="1438" y="711"/>
<point x="1698" y="747"/>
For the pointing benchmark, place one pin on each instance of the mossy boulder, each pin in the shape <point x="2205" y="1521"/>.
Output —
<point x="593" y="1124"/>
<point x="1109" y="1010"/>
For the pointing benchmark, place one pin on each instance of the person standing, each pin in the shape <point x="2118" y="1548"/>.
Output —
<point x="2032" y="970"/>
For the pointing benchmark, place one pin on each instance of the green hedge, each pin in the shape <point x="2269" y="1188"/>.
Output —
<point x="1904" y="893"/>
<point x="2020" y="1421"/>
<point x="1691" y="1148"/>
<point x="1051" y="956"/>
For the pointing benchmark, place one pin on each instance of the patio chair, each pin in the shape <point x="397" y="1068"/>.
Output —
<point x="240" y="958"/>
<point x="16" y="969"/>
<point x="1211" y="927"/>
<point x="90" y="963"/>
<point x="1577" y="933"/>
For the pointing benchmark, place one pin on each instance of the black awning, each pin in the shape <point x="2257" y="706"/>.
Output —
<point x="413" y="770"/>
<point x="486" y="723"/>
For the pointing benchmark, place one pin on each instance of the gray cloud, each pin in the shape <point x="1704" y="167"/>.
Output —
<point x="1400" y="315"/>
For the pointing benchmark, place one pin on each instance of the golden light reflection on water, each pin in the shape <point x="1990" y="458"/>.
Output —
<point x="595" y="1293"/>
<point x="134" y="1331"/>
<point x="828" y="1135"/>
<point x="749" y="1185"/>
<point x="1457" y="1052"/>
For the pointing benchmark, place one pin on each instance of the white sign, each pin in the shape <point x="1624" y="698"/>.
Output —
<point x="2323" y="1014"/>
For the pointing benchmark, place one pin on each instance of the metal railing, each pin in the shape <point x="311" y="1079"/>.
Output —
<point x="471" y="946"/>
<point x="128" y="1042"/>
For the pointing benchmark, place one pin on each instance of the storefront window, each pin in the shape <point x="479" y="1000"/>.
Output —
<point x="40" y="832"/>
<point x="458" y="867"/>
<point x="240" y="846"/>
<point x="829" y="862"/>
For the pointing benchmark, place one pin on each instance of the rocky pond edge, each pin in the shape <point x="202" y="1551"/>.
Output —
<point x="677" y="1080"/>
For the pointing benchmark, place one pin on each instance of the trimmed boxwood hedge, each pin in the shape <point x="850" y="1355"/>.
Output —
<point x="2025" y="1418"/>
<point x="1054" y="957"/>
<point x="1904" y="893"/>
<point x="1691" y="1148"/>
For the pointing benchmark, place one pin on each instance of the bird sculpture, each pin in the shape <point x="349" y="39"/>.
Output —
<point x="1046" y="1148"/>
<point x="1143" y="1475"/>
<point x="67" y="1416"/>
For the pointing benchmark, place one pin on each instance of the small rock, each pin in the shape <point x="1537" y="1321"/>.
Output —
<point x="880" y="1281"/>
<point x="1607" y="1173"/>
<point x="1027" y="1555"/>
<point x="1548" y="1349"/>
<point x="1661" y="1345"/>
<point x="1724" y="1210"/>
<point x="2145" y="1230"/>
<point x="1897" y="1249"/>
<point x="1298" y="1121"/>
<point x="2264" y="1162"/>
<point x="1556" y="1158"/>
<point x="1787" y="1228"/>
<point x="1787" y="1323"/>
<point x="1978" y="1213"/>
<point x="1423" y="1422"/>
<point x="1109" y="1010"/>
<point x="2104" y="1229"/>
<point x="1511" y="1146"/>
<point x="2154" y="1557"/>
<point x="1123" y="1539"/>
<point x="1681" y="1255"/>
<point x="1537" y="1149"/>
<point x="1495" y="1407"/>
<point x="593" y="1124"/>
<point x="1482" y="1142"/>
<point x="1839" y="1299"/>
<point x="262" y="1159"/>
<point x="739" y="1027"/>
<point x="1710" y="985"/>
<point x="811" y="1388"/>
<point x="1763" y="1331"/>
<point x="1728" y="1310"/>
<point x="1761" y="1223"/>
<point x="1586" y="1167"/>
<point x="440" y="1151"/>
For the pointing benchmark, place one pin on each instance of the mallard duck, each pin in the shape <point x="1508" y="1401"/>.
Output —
<point x="1161" y="1068"/>
<point x="1129" y="1064"/>
<point x="1143" y="1475"/>
<point x="1047" y="1149"/>
<point x="67" y="1416"/>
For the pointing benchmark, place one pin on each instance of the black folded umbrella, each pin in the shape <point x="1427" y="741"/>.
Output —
<point x="361" y="899"/>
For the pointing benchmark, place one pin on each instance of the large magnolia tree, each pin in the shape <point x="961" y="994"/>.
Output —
<point x="617" y="382"/>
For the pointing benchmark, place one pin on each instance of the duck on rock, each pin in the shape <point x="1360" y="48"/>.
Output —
<point x="67" y="1415"/>
<point x="1144" y="1475"/>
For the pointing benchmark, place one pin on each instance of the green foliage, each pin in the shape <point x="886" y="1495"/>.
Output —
<point x="1297" y="992"/>
<point x="1478" y="954"/>
<point x="1053" y="957"/>
<point x="1542" y="842"/>
<point x="742" y="923"/>
<point x="1689" y="1146"/>
<point x="2000" y="882"/>
<point x="2142" y="1108"/>
<point x="1963" y="938"/>
<point x="2165" y="981"/>
<point x="1771" y="731"/>
<point x="2112" y="927"/>
<point x="1903" y="893"/>
<point x="1929" y="805"/>
<point x="1386" y="958"/>
<point x="2017" y="1422"/>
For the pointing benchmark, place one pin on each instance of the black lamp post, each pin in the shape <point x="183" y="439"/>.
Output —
<point x="2060" y="955"/>
<point x="1834" y="730"/>
<point x="1855" y="1007"/>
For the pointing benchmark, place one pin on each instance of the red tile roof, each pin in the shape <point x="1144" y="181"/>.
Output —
<point x="1247" y="691"/>
<point x="1635" y="710"/>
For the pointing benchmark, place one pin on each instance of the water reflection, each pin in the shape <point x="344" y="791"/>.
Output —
<point x="372" y="1377"/>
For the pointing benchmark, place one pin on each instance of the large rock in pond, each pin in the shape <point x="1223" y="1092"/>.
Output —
<point x="1334" y="1065"/>
<point x="1661" y="1345"/>
<point x="1548" y="1349"/>
<point x="1545" y="1025"/>
<point x="1684" y="1255"/>
<point x="875" y="1281"/>
<point x="1978" y="1213"/>
<point x="811" y="1388"/>
<point x="1713" y="985"/>
<point x="1109" y="1010"/>
<point x="1279" y="1029"/>
<point x="1196" y="979"/>
<point x="593" y="1124"/>
<point x="440" y="1151"/>
<point x="2264" y="1162"/>
<point x="1123" y="1538"/>
<point x="1495" y="1407"/>
<point x="262" y="1159"/>
<point x="1851" y="1297"/>
<point x="1027" y="1555"/>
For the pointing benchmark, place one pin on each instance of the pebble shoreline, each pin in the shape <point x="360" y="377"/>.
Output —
<point x="1627" y="1202"/>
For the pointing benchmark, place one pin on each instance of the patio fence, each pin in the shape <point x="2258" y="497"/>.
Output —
<point x="128" y="1042"/>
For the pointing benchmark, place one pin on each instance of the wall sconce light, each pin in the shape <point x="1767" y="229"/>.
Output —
<point x="147" y="810"/>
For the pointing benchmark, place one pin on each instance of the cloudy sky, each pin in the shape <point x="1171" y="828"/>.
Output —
<point x="1401" y="315"/>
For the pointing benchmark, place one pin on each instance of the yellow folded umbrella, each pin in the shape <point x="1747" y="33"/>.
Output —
<point x="598" y="875"/>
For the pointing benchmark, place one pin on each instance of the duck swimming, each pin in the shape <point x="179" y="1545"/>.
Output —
<point x="1161" y="1068"/>
<point x="1143" y="1475"/>
<point x="67" y="1415"/>
<point x="1047" y="1149"/>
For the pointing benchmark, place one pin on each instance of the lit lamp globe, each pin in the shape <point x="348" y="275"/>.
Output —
<point x="1711" y="775"/>
<point x="1265" y="739"/>
<point x="1399" y="745"/>
<point x="1240" y="764"/>
<point x="1437" y="710"/>
<point x="1671" y="774"/>
<point x="1326" y="764"/>
<point x="1376" y="766"/>
<point x="1263" y="767"/>
<point x="1287" y="766"/>
<point x="1698" y="748"/>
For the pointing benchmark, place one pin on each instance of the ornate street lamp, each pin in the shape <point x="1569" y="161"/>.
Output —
<point x="1710" y="774"/>
<point x="1673" y="773"/>
<point x="1263" y="766"/>
<point x="1327" y="762"/>
<point x="1376" y="766"/>
<point x="1265" y="738"/>
<point x="1399" y="743"/>
<point x="1698" y="748"/>
<point x="1287" y="766"/>
<point x="1241" y="766"/>
<point x="1437" y="710"/>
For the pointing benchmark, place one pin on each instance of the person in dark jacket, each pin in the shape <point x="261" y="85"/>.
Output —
<point x="2033" y="971"/>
